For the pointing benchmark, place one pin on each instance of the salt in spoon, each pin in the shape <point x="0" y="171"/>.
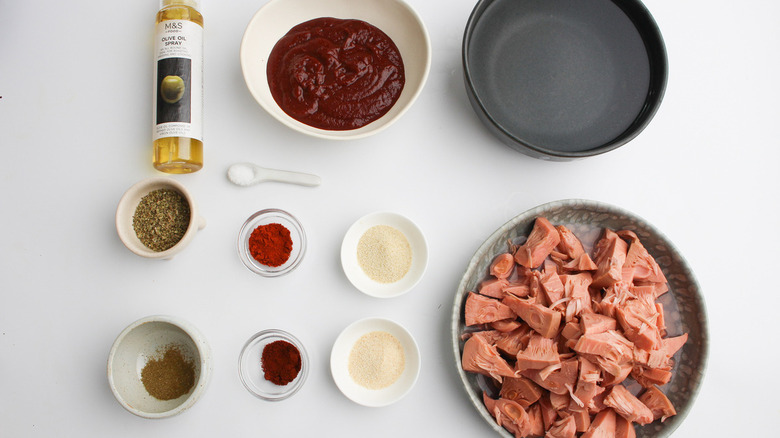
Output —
<point x="247" y="174"/>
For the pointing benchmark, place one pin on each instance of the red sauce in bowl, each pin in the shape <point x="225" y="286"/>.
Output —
<point x="335" y="74"/>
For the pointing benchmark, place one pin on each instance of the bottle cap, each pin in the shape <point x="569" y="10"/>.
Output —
<point x="192" y="3"/>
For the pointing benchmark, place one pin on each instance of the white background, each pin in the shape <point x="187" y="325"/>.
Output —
<point x="75" y="117"/>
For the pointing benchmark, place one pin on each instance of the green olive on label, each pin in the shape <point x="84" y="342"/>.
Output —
<point x="172" y="88"/>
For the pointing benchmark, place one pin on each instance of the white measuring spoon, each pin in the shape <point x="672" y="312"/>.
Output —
<point x="247" y="174"/>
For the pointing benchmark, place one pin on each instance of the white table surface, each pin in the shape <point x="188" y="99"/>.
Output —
<point x="75" y="134"/>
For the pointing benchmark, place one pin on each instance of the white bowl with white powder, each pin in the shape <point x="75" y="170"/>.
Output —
<point x="384" y="254"/>
<point x="375" y="362"/>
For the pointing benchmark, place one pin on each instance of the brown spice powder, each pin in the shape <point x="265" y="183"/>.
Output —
<point x="170" y="376"/>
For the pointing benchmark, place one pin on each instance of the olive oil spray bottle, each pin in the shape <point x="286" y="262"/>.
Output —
<point x="178" y="89"/>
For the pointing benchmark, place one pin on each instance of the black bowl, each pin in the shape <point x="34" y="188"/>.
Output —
<point x="564" y="79"/>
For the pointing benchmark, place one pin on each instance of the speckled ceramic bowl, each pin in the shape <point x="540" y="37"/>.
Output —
<point x="143" y="340"/>
<point x="684" y="306"/>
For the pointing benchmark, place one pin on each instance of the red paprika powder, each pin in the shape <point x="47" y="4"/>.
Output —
<point x="270" y="244"/>
<point x="281" y="362"/>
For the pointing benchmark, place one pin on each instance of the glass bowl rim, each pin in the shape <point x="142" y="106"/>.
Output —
<point x="292" y="387"/>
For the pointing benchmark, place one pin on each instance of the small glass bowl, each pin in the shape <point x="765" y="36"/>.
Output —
<point x="250" y="368"/>
<point x="265" y="217"/>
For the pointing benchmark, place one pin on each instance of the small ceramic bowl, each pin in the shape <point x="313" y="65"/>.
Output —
<point x="250" y="367"/>
<point x="126" y="210"/>
<point x="265" y="217"/>
<point x="146" y="339"/>
<point x="394" y="17"/>
<point x="358" y="277"/>
<point x="339" y="363"/>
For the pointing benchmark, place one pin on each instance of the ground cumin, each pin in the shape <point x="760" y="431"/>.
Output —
<point x="170" y="376"/>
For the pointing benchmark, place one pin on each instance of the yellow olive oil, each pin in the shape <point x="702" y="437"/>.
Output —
<point x="178" y="89"/>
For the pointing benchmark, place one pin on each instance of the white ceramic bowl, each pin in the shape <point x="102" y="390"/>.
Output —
<point x="128" y="204"/>
<point x="394" y="17"/>
<point x="145" y="339"/>
<point x="356" y="275"/>
<point x="250" y="368"/>
<point x="339" y="363"/>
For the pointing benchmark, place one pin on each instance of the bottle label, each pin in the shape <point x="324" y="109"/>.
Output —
<point x="178" y="103"/>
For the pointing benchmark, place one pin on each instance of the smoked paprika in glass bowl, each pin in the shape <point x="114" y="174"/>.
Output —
<point x="251" y="369"/>
<point x="265" y="253"/>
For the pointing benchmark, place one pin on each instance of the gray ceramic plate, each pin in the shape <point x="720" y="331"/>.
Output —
<point x="683" y="304"/>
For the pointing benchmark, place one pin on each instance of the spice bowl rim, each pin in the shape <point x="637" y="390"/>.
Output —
<point x="254" y="346"/>
<point x="398" y="19"/>
<point x="297" y="234"/>
<point x="354" y="272"/>
<point x="339" y="362"/>
<point x="203" y="366"/>
<point x="128" y="204"/>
